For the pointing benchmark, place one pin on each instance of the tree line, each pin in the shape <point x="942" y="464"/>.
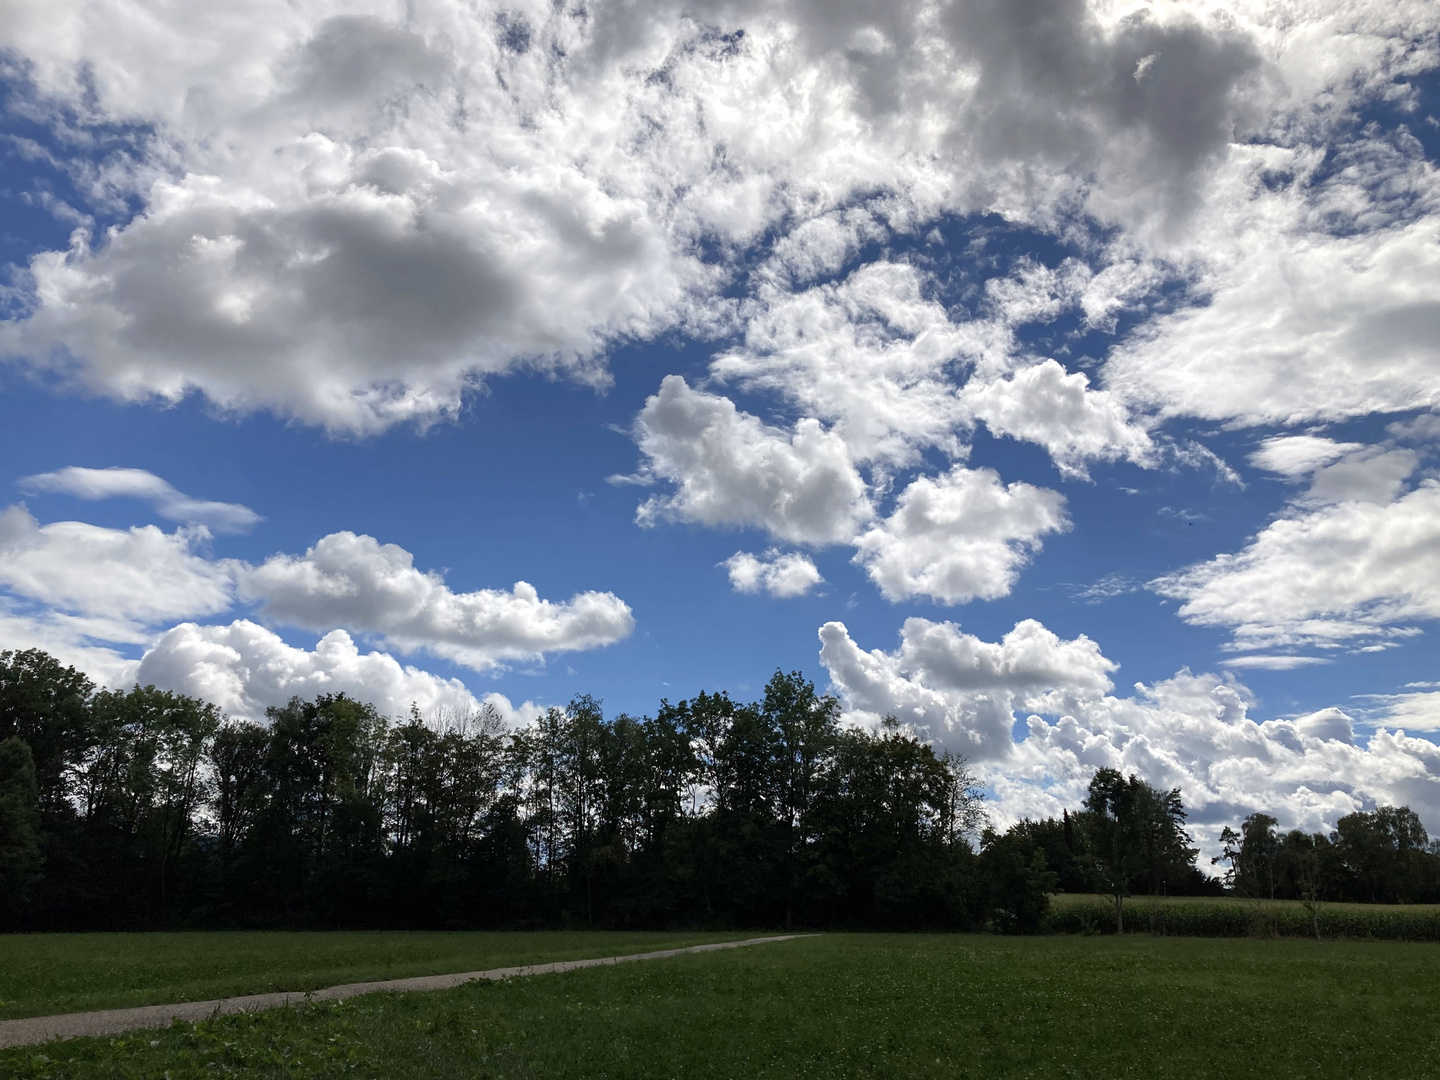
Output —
<point x="146" y="808"/>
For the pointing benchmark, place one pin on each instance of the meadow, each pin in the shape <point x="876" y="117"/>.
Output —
<point x="1226" y="916"/>
<point x="41" y="974"/>
<point x="848" y="1005"/>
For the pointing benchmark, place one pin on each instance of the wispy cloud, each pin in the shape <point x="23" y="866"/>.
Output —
<point x="169" y="503"/>
<point x="1275" y="663"/>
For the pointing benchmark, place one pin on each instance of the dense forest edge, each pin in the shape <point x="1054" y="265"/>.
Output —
<point x="146" y="809"/>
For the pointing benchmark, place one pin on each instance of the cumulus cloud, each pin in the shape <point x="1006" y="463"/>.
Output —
<point x="870" y="355"/>
<point x="960" y="536"/>
<point x="1321" y="306"/>
<point x="1046" y="405"/>
<point x="360" y="584"/>
<point x="119" y="581"/>
<point x="1192" y="731"/>
<point x="957" y="690"/>
<point x="731" y="469"/>
<point x="1323" y="574"/>
<point x="783" y="575"/>
<point x="879" y="358"/>
<point x="81" y="590"/>
<point x="114" y="482"/>
<point x="244" y="668"/>
<point x="353" y="217"/>
<point x="352" y="214"/>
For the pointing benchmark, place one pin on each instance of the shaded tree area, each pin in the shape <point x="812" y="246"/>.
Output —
<point x="145" y="808"/>
<point x="1129" y="839"/>
<point x="1380" y="856"/>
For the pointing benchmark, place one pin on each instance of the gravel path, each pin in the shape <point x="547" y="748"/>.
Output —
<point x="38" y="1029"/>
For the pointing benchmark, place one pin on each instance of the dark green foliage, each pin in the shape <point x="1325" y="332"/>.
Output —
<point x="330" y="815"/>
<point x="1384" y="858"/>
<point x="1133" y="832"/>
<point x="1380" y="856"/>
<point x="144" y="808"/>
<point x="958" y="1007"/>
<point x="48" y="705"/>
<point x="20" y="859"/>
<point x="1237" y="917"/>
<point x="1019" y="878"/>
<point x="1254" y="857"/>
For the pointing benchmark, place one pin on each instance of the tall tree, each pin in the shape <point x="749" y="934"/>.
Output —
<point x="20" y="858"/>
<point x="1383" y="854"/>
<point x="1134" y="831"/>
<point x="802" y="726"/>
<point x="47" y="704"/>
<point x="1253" y="855"/>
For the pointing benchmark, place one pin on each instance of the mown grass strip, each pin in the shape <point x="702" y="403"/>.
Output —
<point x="44" y="974"/>
<point x="960" y="1007"/>
<point x="108" y="1022"/>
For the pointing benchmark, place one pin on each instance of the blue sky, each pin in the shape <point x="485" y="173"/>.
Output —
<point x="1022" y="362"/>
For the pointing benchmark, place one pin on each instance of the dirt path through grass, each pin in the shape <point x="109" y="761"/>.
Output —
<point x="39" y="1029"/>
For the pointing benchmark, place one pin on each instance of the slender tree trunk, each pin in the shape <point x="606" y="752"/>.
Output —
<point x="1119" y="913"/>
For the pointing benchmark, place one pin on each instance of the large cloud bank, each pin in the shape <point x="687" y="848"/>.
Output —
<point x="83" y="592"/>
<point x="1191" y="731"/>
<point x="349" y="212"/>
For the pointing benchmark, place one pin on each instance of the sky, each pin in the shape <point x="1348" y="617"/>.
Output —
<point x="1059" y="377"/>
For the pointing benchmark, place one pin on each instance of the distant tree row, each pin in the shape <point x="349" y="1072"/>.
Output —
<point x="145" y="808"/>
<point x="1129" y="839"/>
<point x="1380" y="856"/>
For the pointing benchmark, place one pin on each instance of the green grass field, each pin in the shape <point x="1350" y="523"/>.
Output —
<point x="42" y="974"/>
<point x="1225" y="916"/>
<point x="953" y="1006"/>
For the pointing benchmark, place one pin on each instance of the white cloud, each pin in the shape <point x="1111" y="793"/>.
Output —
<point x="353" y="216"/>
<point x="67" y="638"/>
<point x="869" y="355"/>
<point x="350" y="213"/>
<point x="122" y="581"/>
<point x="244" y="668"/>
<point x="1373" y="475"/>
<point x="1296" y="456"/>
<point x="1329" y="723"/>
<point x="783" y="575"/>
<point x="1275" y="663"/>
<point x="1318" y="302"/>
<point x="1323" y="575"/>
<point x="1412" y="712"/>
<point x="1045" y="405"/>
<point x="730" y="469"/>
<point x="358" y="583"/>
<point x="958" y="690"/>
<point x="218" y="517"/>
<point x="1191" y="731"/>
<point x="79" y="591"/>
<point x="959" y="536"/>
